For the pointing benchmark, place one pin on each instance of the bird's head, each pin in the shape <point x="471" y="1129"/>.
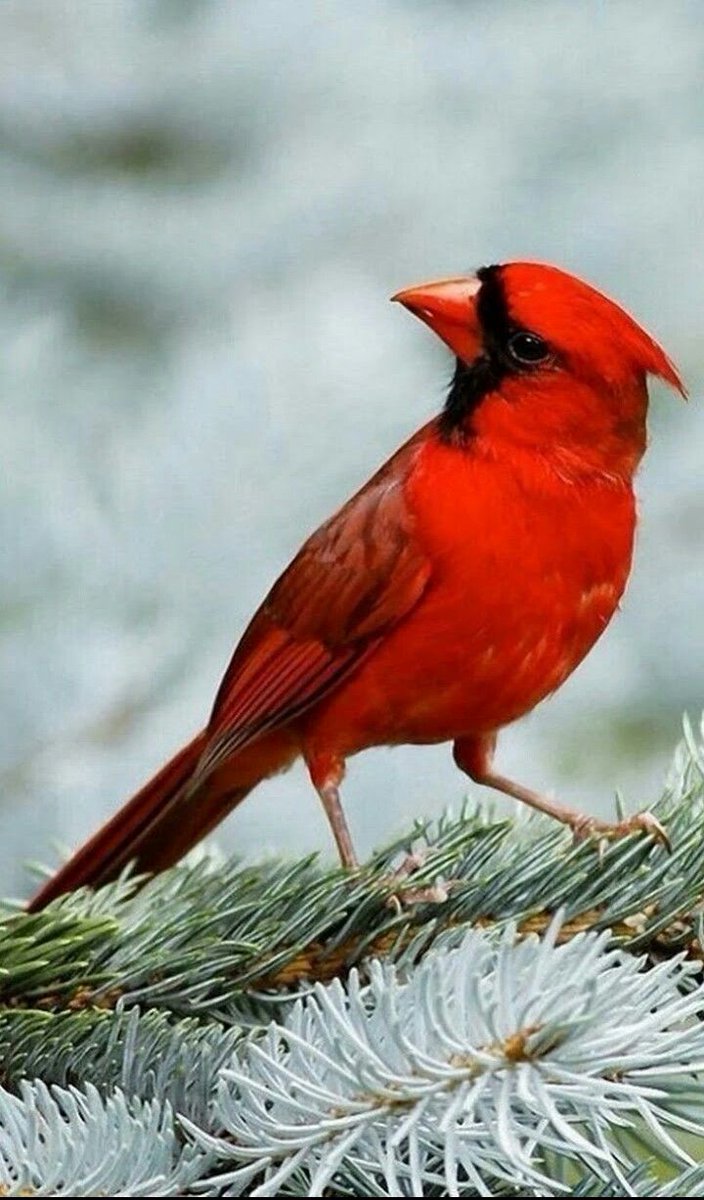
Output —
<point x="544" y="360"/>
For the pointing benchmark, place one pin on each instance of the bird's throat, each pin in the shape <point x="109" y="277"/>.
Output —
<point x="472" y="381"/>
<point x="470" y="384"/>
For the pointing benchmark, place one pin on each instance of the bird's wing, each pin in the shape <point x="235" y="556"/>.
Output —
<point x="354" y="578"/>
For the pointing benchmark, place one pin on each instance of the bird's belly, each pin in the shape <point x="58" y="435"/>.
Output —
<point x="463" y="664"/>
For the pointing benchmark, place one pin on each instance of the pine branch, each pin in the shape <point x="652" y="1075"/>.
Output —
<point x="145" y="1055"/>
<point x="498" y="1064"/>
<point x="199" y="940"/>
<point x="69" y="1143"/>
<point x="34" y="950"/>
<point x="558" y="1060"/>
<point x="473" y="1059"/>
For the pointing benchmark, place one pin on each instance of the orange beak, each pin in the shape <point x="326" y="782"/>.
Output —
<point x="449" y="307"/>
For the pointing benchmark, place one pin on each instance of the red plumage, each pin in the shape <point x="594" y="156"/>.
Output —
<point x="462" y="584"/>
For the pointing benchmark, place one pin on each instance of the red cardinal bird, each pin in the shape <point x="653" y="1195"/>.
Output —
<point x="462" y="584"/>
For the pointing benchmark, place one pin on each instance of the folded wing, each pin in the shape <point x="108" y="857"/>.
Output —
<point x="353" y="579"/>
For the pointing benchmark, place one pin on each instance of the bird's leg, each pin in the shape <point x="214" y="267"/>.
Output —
<point x="327" y="773"/>
<point x="474" y="757"/>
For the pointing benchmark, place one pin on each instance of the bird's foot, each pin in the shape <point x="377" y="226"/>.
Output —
<point x="404" y="896"/>
<point x="584" y="827"/>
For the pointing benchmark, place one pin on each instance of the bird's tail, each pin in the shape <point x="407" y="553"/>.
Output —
<point x="164" y="819"/>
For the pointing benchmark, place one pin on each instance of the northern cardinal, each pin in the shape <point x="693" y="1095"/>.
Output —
<point x="462" y="584"/>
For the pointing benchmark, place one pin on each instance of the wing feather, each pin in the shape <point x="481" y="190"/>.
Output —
<point x="355" y="577"/>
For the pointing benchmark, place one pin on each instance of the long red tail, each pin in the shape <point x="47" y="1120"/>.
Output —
<point x="158" y="825"/>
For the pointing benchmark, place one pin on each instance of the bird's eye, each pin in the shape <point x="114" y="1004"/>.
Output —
<point x="527" y="349"/>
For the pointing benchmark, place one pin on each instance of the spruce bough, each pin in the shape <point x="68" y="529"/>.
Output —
<point x="280" y="1030"/>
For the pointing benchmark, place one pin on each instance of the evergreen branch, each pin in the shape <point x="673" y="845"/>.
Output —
<point x="199" y="940"/>
<point x="145" y="1055"/>
<point x="34" y="950"/>
<point x="64" y="1142"/>
<point x="469" y="1063"/>
<point x="498" y="1064"/>
<point x="642" y="1181"/>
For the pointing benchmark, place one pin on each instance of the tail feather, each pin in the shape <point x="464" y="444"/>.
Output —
<point x="154" y="829"/>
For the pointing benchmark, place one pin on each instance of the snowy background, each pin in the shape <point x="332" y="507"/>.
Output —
<point x="204" y="208"/>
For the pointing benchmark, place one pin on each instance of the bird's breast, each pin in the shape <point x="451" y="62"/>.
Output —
<point x="527" y="569"/>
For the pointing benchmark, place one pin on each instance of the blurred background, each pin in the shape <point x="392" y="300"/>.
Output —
<point x="205" y="205"/>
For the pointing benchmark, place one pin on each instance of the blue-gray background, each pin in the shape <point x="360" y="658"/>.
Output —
<point x="204" y="208"/>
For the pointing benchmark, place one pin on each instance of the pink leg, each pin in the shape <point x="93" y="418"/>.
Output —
<point x="474" y="757"/>
<point x="327" y="774"/>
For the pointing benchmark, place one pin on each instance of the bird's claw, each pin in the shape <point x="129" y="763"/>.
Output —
<point x="402" y="896"/>
<point x="410" y="863"/>
<point x="405" y="897"/>
<point x="584" y="827"/>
